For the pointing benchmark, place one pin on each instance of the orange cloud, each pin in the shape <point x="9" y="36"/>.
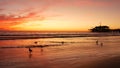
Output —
<point x="11" y="20"/>
<point x="20" y="11"/>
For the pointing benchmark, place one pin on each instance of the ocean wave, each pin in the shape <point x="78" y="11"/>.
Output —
<point x="32" y="46"/>
<point x="24" y="35"/>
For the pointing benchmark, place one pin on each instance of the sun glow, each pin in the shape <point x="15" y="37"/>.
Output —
<point x="31" y="25"/>
<point x="46" y="25"/>
<point x="58" y="15"/>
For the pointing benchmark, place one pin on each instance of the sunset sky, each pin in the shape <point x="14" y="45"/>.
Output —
<point x="58" y="15"/>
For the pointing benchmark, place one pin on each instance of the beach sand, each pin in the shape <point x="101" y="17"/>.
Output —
<point x="113" y="62"/>
<point x="74" y="53"/>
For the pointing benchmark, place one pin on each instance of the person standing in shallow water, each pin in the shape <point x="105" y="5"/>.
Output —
<point x="30" y="50"/>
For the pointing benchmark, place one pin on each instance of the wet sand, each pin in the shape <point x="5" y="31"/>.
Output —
<point x="113" y="62"/>
<point x="81" y="53"/>
<point x="56" y="57"/>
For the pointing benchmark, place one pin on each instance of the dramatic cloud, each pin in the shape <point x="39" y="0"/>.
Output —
<point x="16" y="12"/>
<point x="13" y="19"/>
<point x="21" y="11"/>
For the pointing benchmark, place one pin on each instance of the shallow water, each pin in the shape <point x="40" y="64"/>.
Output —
<point x="73" y="53"/>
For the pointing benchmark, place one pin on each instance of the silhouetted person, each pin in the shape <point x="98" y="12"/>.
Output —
<point x="30" y="50"/>
<point x="97" y="42"/>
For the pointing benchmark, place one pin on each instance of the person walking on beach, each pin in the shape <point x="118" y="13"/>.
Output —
<point x="30" y="50"/>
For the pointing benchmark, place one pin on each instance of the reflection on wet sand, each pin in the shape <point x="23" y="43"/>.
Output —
<point x="60" y="53"/>
<point x="41" y="51"/>
<point x="30" y="55"/>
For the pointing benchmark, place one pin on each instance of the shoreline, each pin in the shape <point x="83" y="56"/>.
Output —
<point x="37" y="37"/>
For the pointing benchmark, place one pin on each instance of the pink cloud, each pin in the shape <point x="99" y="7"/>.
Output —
<point x="11" y="20"/>
<point x="20" y="11"/>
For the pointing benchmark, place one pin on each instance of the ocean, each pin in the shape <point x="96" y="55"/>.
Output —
<point x="56" y="49"/>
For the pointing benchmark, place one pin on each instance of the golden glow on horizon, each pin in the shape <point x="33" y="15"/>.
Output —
<point x="47" y="25"/>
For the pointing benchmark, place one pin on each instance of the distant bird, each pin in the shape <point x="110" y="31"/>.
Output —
<point x="30" y="50"/>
